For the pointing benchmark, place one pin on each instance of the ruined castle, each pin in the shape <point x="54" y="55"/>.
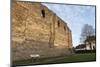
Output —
<point x="38" y="30"/>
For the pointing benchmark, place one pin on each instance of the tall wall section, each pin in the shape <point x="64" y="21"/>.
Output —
<point x="37" y="30"/>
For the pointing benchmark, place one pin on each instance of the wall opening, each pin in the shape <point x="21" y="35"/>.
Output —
<point x="64" y="28"/>
<point x="43" y="13"/>
<point x="58" y="23"/>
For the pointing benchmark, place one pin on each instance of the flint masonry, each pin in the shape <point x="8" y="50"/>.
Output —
<point x="38" y="30"/>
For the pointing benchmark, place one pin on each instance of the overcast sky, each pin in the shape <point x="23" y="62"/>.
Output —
<point x="75" y="16"/>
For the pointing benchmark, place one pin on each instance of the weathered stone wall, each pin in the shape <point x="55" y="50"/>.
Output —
<point x="37" y="30"/>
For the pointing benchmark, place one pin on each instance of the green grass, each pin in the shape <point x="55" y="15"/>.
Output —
<point x="76" y="58"/>
<point x="65" y="59"/>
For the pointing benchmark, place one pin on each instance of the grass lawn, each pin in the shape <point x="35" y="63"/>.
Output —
<point x="65" y="59"/>
<point x="76" y="58"/>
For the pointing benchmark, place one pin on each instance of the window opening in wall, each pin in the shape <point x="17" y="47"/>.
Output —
<point x="64" y="28"/>
<point x="58" y="24"/>
<point x="43" y="13"/>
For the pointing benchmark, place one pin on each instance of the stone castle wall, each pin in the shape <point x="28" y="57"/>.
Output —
<point x="37" y="30"/>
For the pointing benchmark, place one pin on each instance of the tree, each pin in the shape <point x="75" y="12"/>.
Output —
<point x="87" y="31"/>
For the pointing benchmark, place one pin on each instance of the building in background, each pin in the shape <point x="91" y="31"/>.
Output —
<point x="89" y="44"/>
